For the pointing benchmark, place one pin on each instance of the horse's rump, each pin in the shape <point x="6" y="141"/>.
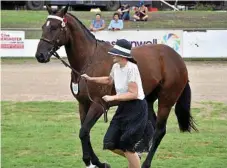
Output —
<point x="159" y="64"/>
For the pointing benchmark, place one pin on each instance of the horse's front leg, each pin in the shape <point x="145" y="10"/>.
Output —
<point x="94" y="113"/>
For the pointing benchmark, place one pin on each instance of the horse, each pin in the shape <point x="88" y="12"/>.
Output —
<point x="163" y="72"/>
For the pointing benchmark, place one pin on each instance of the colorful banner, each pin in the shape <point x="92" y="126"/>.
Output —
<point x="12" y="40"/>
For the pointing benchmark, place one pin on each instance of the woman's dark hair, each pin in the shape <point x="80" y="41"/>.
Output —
<point x="132" y="60"/>
<point x="98" y="14"/>
<point x="116" y="14"/>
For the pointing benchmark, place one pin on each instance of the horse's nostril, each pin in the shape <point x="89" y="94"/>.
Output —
<point x="40" y="57"/>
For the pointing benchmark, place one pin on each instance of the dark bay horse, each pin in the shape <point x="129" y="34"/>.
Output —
<point x="163" y="72"/>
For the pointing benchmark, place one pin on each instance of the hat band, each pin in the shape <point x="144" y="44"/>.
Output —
<point x="122" y="49"/>
<point x="118" y="55"/>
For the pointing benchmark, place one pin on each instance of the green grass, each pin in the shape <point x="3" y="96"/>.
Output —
<point x="45" y="134"/>
<point x="158" y="20"/>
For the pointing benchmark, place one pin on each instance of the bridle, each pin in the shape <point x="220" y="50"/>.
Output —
<point x="53" y="52"/>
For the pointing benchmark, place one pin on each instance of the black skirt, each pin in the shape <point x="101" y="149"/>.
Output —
<point x="128" y="127"/>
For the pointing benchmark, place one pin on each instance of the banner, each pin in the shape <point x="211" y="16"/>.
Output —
<point x="12" y="40"/>
<point x="172" y="38"/>
<point x="207" y="44"/>
<point x="12" y="43"/>
<point x="189" y="44"/>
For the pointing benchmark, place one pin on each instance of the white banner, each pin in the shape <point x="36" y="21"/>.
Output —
<point x="12" y="39"/>
<point x="173" y="38"/>
<point x="210" y="43"/>
<point x="12" y="42"/>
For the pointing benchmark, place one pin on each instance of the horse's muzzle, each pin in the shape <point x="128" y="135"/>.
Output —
<point x="41" y="58"/>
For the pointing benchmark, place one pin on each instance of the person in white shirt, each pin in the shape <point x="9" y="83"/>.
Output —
<point x="130" y="123"/>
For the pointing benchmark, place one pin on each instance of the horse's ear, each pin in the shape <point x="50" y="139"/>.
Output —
<point x="49" y="9"/>
<point x="66" y="9"/>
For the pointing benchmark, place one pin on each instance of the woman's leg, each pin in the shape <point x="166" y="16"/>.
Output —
<point x="119" y="152"/>
<point x="145" y="18"/>
<point x="136" y="17"/>
<point x="133" y="159"/>
<point x="125" y="16"/>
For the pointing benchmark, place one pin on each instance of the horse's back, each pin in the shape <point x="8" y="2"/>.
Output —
<point x="160" y="63"/>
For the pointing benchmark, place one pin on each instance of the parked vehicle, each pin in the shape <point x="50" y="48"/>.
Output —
<point x="111" y="5"/>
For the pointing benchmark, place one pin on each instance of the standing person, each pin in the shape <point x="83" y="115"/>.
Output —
<point x="130" y="123"/>
<point x="97" y="24"/>
<point x="116" y="23"/>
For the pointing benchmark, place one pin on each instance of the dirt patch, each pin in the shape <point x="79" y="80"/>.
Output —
<point x="39" y="82"/>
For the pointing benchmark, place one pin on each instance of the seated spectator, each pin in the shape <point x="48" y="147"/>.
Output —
<point x="141" y="14"/>
<point x="97" y="24"/>
<point x="116" y="23"/>
<point x="124" y="12"/>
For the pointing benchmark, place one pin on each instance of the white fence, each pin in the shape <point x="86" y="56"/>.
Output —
<point x="199" y="44"/>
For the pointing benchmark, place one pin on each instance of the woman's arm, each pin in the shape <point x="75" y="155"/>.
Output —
<point x="132" y="94"/>
<point x="103" y="26"/>
<point x="121" y="24"/>
<point x="110" y="25"/>
<point x="91" y="25"/>
<point x="102" y="80"/>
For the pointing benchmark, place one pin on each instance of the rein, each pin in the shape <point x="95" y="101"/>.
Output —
<point x="53" y="52"/>
<point x="79" y="74"/>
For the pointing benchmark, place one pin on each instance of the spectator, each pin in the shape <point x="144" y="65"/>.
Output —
<point x="124" y="12"/>
<point x="136" y="15"/>
<point x="141" y="14"/>
<point x="97" y="24"/>
<point x="116" y="23"/>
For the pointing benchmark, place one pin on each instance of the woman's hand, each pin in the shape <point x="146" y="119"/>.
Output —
<point x="108" y="98"/>
<point x="85" y="76"/>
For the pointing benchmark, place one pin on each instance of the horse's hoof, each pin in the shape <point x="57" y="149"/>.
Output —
<point x="107" y="165"/>
<point x="91" y="166"/>
<point x="145" y="166"/>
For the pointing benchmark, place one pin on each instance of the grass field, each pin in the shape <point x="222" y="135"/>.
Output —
<point x="45" y="135"/>
<point x="158" y="20"/>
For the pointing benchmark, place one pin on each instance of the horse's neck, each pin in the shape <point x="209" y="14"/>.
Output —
<point x="80" y="48"/>
<point x="83" y="50"/>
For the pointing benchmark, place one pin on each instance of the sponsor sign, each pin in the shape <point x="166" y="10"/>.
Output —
<point x="12" y="40"/>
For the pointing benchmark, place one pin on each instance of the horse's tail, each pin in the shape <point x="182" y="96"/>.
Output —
<point x="182" y="111"/>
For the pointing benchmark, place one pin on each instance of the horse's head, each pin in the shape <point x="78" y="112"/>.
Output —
<point x="54" y="34"/>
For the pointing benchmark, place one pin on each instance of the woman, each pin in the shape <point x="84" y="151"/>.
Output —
<point x="129" y="125"/>
<point x="141" y="14"/>
<point x="97" y="24"/>
<point x="116" y="24"/>
<point x="124" y="11"/>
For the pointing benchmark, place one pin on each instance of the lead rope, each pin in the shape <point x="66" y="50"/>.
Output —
<point x="105" y="110"/>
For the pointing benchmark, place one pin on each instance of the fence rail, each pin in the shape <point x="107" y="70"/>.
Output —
<point x="184" y="29"/>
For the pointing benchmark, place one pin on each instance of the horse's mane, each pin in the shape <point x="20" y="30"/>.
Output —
<point x="84" y="28"/>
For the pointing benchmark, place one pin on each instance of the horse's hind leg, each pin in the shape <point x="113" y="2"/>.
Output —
<point x="160" y="131"/>
<point x="151" y="114"/>
<point x="151" y="98"/>
<point x="94" y="112"/>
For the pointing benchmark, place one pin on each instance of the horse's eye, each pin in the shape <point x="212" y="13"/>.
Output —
<point x="53" y="28"/>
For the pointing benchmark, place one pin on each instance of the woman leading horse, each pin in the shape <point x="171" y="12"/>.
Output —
<point x="163" y="73"/>
<point x="130" y="124"/>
